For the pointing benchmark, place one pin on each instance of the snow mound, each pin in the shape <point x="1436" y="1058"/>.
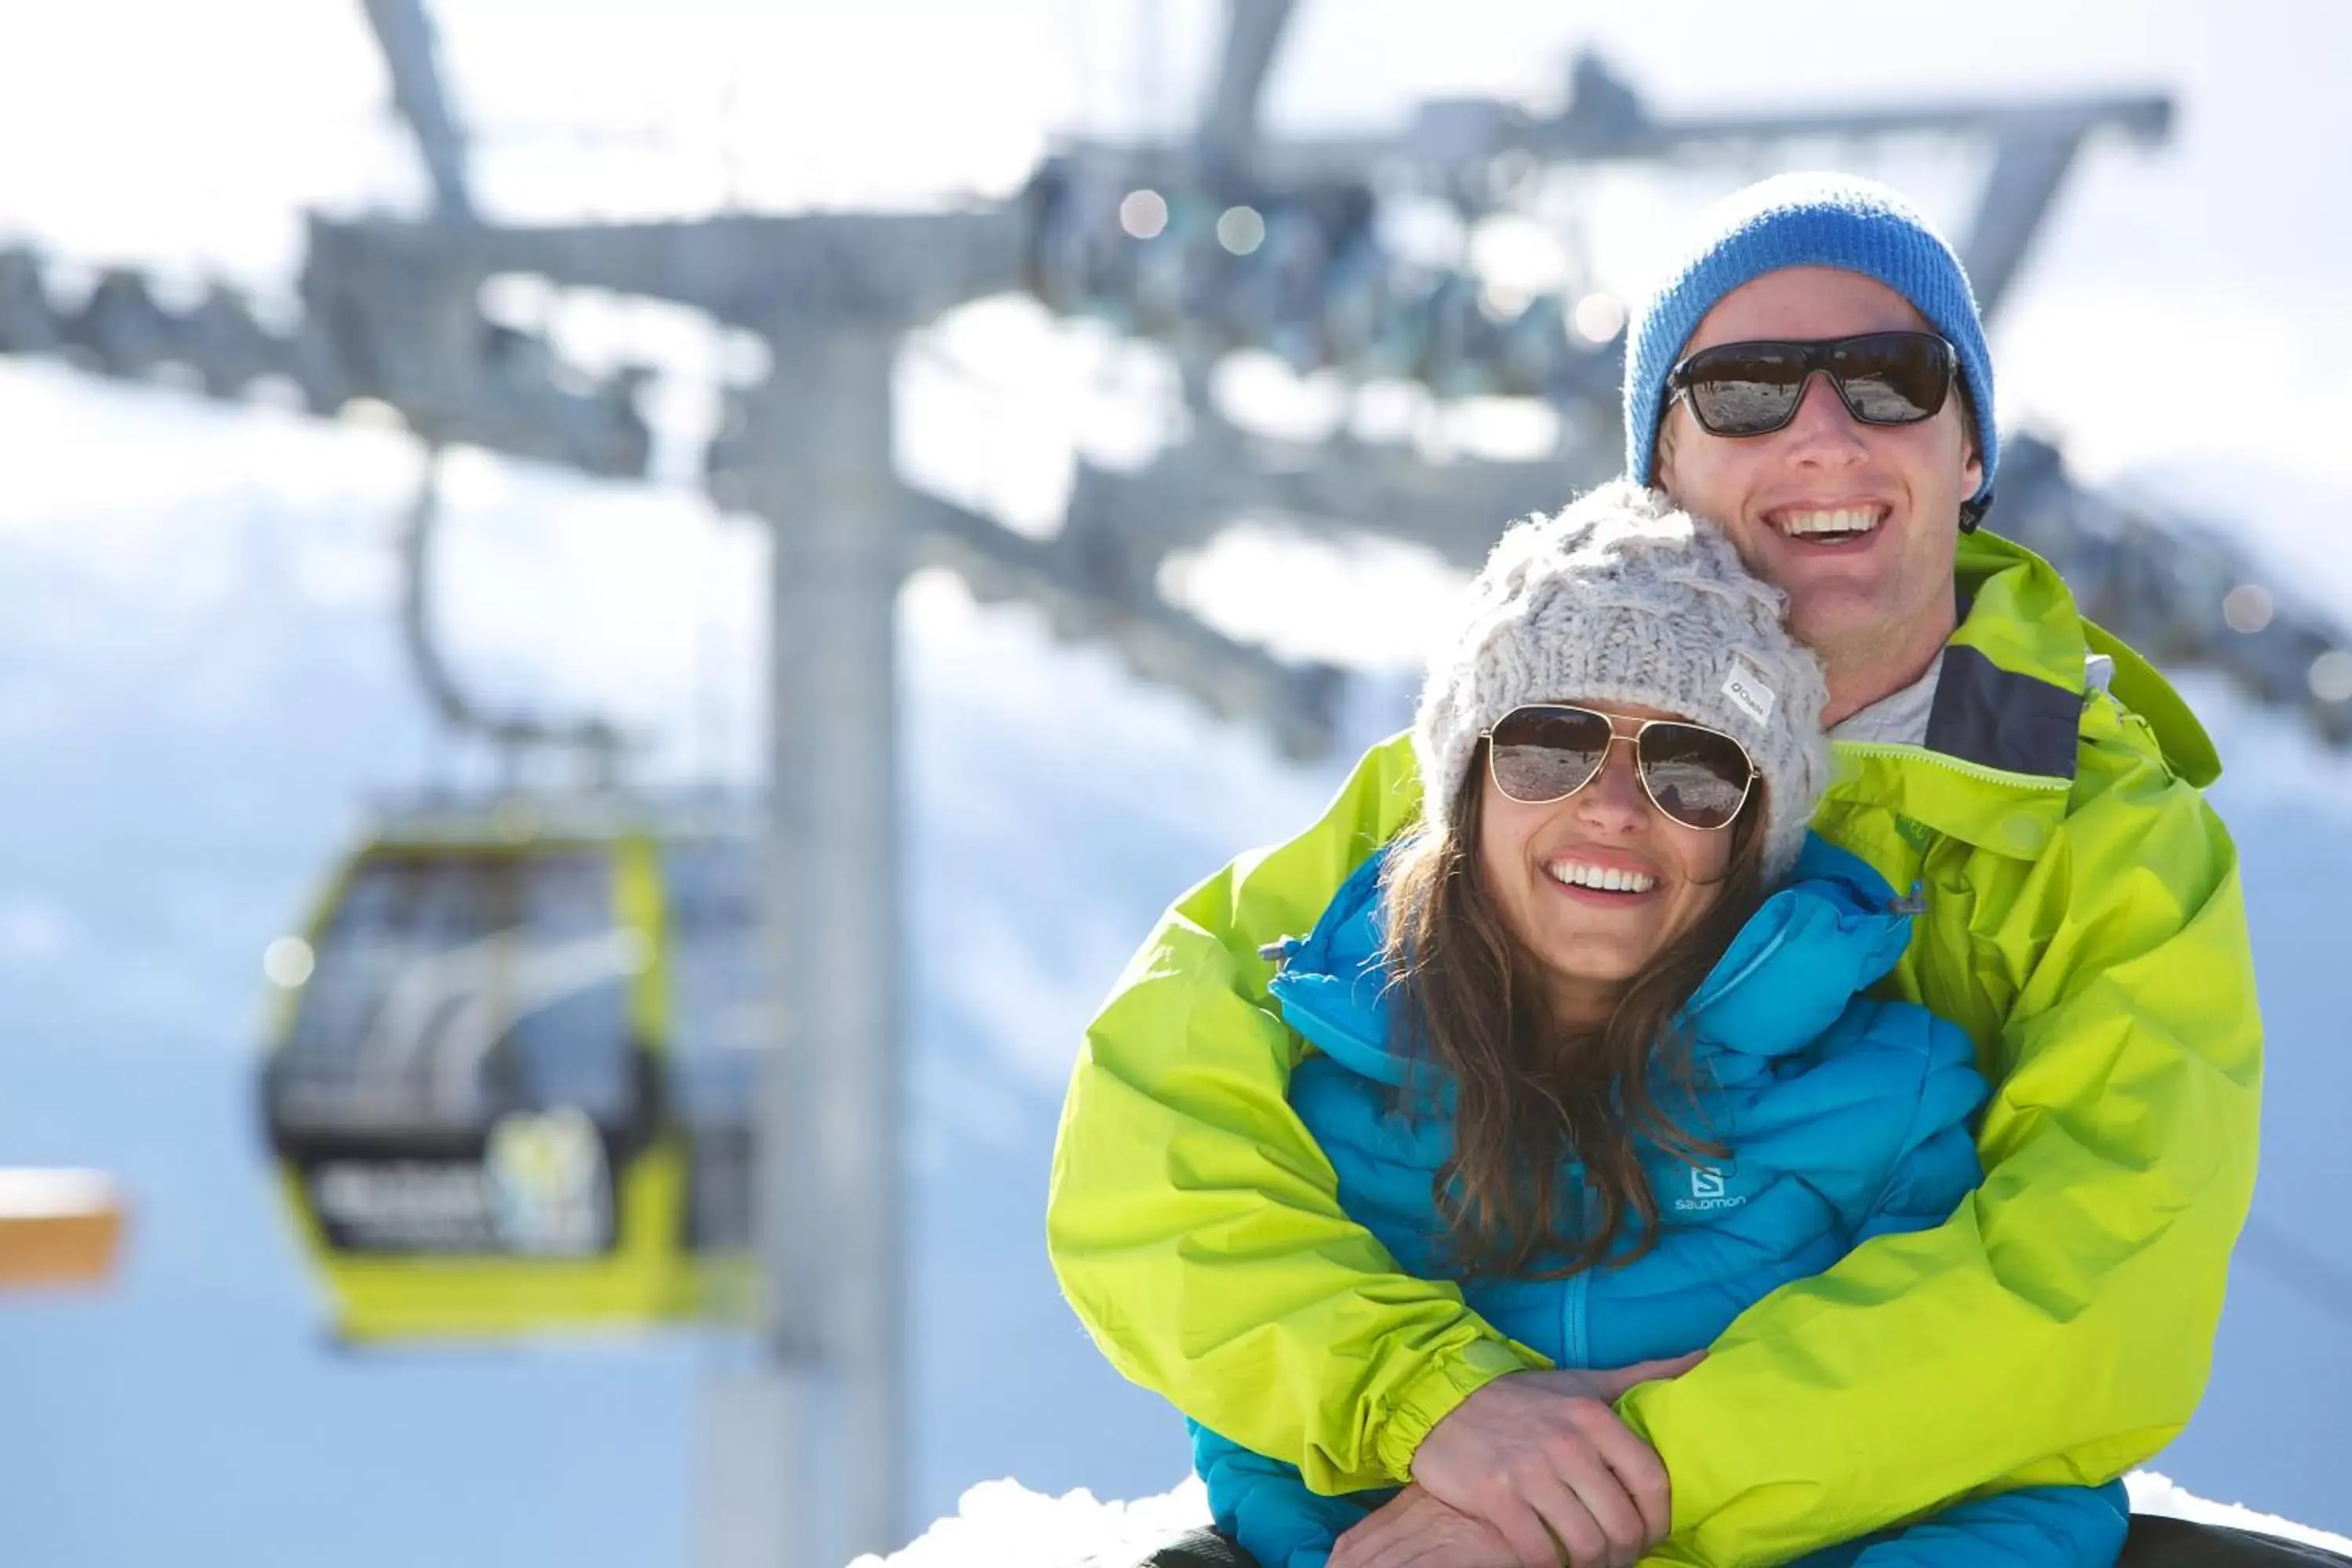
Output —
<point x="1004" y="1522"/>
<point x="2158" y="1494"/>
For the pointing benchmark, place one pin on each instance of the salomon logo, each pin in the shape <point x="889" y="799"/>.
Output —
<point x="1709" y="1190"/>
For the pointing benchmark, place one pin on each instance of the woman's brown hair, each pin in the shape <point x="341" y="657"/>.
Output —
<point x="1531" y="1094"/>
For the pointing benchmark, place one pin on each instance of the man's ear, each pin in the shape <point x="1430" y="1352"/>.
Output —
<point x="1972" y="511"/>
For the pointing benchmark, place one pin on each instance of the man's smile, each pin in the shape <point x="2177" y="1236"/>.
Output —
<point x="1827" y="525"/>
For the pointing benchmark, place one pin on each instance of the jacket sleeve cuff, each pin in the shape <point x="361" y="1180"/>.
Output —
<point x="1450" y="1378"/>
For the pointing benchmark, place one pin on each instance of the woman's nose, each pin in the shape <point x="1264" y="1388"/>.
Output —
<point x="1616" y="792"/>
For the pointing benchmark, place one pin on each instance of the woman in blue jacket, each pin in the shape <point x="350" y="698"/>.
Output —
<point x="1594" y="1037"/>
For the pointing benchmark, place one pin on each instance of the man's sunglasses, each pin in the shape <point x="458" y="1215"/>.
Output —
<point x="1754" y="389"/>
<point x="1548" y="750"/>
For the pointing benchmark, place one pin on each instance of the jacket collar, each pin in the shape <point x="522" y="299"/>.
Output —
<point x="1832" y="929"/>
<point x="2022" y="623"/>
<point x="2004" y="730"/>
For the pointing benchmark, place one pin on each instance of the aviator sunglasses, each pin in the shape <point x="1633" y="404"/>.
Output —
<point x="1754" y="389"/>
<point x="1546" y="752"/>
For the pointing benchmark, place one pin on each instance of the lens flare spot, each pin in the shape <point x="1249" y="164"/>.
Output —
<point x="1598" y="318"/>
<point x="2247" y="607"/>
<point x="1241" y="230"/>
<point x="2331" y="676"/>
<point x="1143" y="214"/>
<point x="288" y="961"/>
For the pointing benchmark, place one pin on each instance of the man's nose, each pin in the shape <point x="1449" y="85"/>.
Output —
<point x="1823" y="429"/>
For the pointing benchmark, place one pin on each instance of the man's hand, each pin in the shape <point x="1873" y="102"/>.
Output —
<point x="1413" y="1530"/>
<point x="1541" y="1459"/>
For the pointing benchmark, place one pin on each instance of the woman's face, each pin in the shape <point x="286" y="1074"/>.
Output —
<point x="1536" y="858"/>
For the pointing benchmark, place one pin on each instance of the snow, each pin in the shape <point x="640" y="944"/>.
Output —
<point x="1002" y="1522"/>
<point x="2155" y="1493"/>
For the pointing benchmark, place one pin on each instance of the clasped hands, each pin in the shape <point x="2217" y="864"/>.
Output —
<point x="1534" y="1470"/>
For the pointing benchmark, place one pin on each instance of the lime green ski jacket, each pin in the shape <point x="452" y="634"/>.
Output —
<point x="2083" y="924"/>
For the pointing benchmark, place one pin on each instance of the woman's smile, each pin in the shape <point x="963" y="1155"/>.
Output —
<point x="1607" y="877"/>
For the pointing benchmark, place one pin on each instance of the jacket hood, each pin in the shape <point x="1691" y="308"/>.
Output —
<point x="1832" y="929"/>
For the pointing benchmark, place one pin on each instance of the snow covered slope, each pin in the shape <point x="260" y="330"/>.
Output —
<point x="198" y="685"/>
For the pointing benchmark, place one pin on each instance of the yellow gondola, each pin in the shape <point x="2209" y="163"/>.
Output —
<point x="512" y="1073"/>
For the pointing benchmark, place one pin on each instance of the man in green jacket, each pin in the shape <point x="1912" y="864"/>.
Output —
<point x="1812" y="377"/>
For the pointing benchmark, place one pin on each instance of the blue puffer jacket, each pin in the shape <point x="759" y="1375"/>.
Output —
<point x="1844" y="1118"/>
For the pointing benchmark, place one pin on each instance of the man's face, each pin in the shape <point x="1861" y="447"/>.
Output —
<point x="1884" y="597"/>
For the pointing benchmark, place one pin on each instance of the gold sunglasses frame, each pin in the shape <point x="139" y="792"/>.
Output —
<point x="1642" y="774"/>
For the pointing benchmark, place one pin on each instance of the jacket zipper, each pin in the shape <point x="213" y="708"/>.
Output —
<point x="1573" y="1338"/>
<point x="1977" y="770"/>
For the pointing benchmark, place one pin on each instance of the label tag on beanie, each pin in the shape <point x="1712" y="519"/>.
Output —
<point x="1749" y="691"/>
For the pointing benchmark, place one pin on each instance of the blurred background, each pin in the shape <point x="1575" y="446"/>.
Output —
<point x="440" y="446"/>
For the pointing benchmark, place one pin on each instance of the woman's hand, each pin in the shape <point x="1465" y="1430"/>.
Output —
<point x="1413" y="1530"/>
<point x="1540" y="1460"/>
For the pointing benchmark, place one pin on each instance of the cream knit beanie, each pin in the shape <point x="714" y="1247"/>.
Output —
<point x="1621" y="599"/>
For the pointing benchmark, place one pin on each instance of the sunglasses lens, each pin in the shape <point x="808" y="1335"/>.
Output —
<point x="1893" y="378"/>
<point x="1744" y="389"/>
<point x="1698" y="777"/>
<point x="1545" y="753"/>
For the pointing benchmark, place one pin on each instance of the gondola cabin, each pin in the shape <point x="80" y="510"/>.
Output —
<point x="511" y="1084"/>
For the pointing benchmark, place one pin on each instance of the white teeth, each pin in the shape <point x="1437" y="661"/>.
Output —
<point x="1844" y="520"/>
<point x="1607" y="880"/>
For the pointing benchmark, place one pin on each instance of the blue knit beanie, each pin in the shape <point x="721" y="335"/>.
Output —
<point x="1805" y="220"/>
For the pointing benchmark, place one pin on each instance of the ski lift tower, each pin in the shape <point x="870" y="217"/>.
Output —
<point x="809" y="449"/>
<point x="832" y="294"/>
